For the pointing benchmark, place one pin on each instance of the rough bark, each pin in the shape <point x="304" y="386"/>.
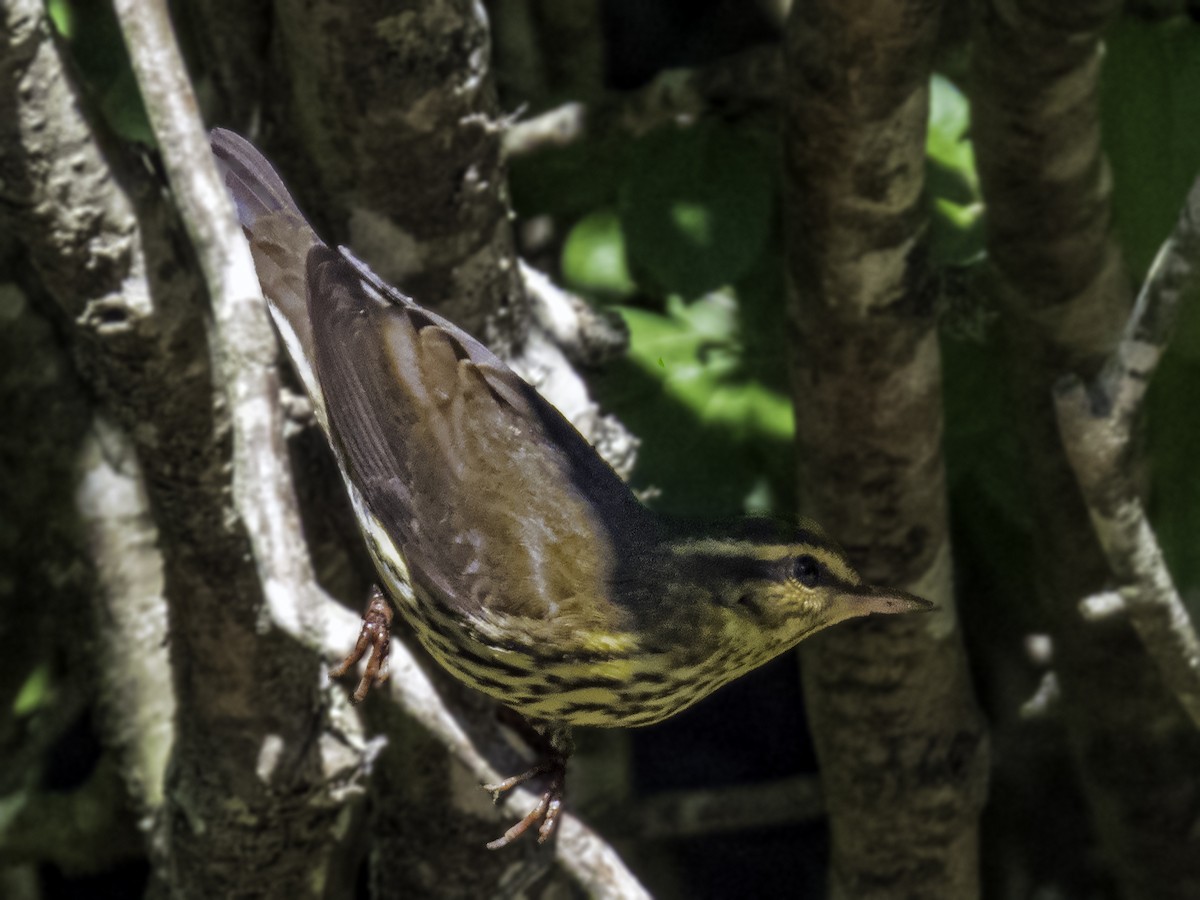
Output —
<point x="901" y="745"/>
<point x="238" y="815"/>
<point x="1060" y="279"/>
<point x="1097" y="422"/>
<point x="398" y="114"/>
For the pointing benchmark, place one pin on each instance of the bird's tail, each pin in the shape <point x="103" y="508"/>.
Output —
<point x="252" y="182"/>
<point x="280" y="239"/>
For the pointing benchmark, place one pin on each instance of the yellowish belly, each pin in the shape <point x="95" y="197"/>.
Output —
<point x="596" y="680"/>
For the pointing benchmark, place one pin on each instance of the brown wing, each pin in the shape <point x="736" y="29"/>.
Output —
<point x="492" y="496"/>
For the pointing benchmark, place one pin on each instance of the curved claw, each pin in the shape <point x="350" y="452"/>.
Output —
<point x="376" y="635"/>
<point x="548" y="807"/>
<point x="550" y="822"/>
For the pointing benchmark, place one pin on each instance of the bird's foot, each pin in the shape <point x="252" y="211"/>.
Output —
<point x="548" y="807"/>
<point x="376" y="636"/>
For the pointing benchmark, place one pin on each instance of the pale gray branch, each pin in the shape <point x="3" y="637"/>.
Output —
<point x="1096" y="423"/>
<point x="131" y="612"/>
<point x="241" y="338"/>
<point x="585" y="335"/>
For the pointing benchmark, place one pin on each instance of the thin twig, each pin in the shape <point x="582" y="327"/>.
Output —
<point x="729" y="87"/>
<point x="242" y="339"/>
<point x="246" y="350"/>
<point x="587" y="336"/>
<point x="1096" y="423"/>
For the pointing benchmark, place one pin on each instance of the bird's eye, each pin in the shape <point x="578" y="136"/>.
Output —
<point x="807" y="571"/>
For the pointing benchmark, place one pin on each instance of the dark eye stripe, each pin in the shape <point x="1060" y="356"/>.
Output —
<point x="705" y="566"/>
<point x="740" y="564"/>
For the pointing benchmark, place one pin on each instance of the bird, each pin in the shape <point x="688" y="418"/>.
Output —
<point x="522" y="563"/>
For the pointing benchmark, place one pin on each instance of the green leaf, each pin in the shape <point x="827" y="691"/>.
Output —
<point x="593" y="256"/>
<point x="95" y="43"/>
<point x="951" y="179"/>
<point x="34" y="693"/>
<point x="62" y="16"/>
<point x="696" y="207"/>
<point x="716" y="436"/>
<point x="946" y="142"/>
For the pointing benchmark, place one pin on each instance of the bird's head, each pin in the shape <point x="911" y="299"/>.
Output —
<point x="765" y="586"/>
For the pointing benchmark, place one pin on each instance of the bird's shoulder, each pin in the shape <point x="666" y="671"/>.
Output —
<point x="496" y="501"/>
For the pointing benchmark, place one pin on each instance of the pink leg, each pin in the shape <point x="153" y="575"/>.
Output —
<point x="376" y="635"/>
<point x="549" y="805"/>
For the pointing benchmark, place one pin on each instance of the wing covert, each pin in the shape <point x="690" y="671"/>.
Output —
<point x="490" y="493"/>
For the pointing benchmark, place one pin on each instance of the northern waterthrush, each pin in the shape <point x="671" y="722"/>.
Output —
<point x="523" y="563"/>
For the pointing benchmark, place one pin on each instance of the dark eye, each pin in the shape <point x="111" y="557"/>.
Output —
<point x="807" y="571"/>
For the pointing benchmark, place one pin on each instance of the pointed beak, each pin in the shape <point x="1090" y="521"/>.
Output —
<point x="867" y="600"/>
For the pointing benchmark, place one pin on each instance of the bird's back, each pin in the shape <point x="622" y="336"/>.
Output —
<point x="508" y="525"/>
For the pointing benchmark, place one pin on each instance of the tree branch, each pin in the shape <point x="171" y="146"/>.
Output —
<point x="586" y="336"/>
<point x="732" y="87"/>
<point x="1096" y="422"/>
<point x="902" y="747"/>
<point x="1060" y="278"/>
<point x="242" y="339"/>
<point x="131" y="612"/>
